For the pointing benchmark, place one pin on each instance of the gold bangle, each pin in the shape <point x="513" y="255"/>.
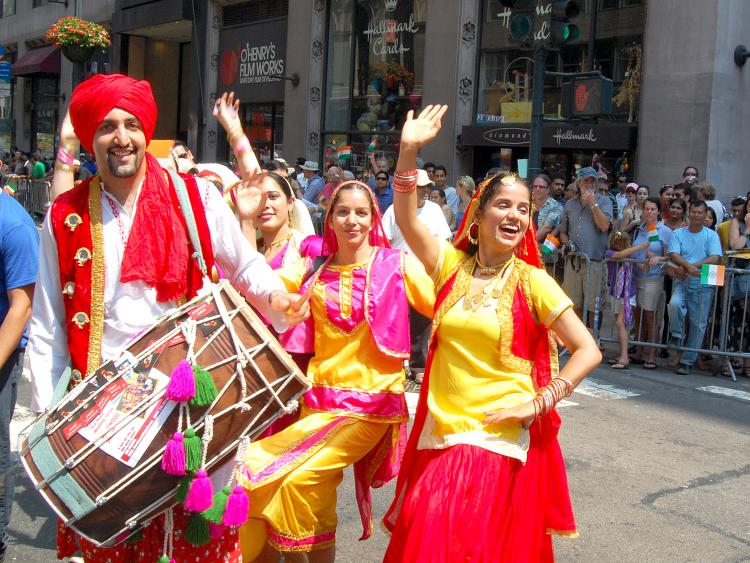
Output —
<point x="64" y="167"/>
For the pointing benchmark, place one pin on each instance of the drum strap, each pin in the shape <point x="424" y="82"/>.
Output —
<point x="187" y="211"/>
<point x="47" y="462"/>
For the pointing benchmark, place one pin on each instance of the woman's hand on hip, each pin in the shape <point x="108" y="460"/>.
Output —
<point x="522" y="415"/>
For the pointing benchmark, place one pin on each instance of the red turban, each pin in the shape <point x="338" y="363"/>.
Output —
<point x="94" y="98"/>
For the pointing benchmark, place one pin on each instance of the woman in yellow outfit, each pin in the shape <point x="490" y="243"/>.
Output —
<point x="355" y="412"/>
<point x="483" y="479"/>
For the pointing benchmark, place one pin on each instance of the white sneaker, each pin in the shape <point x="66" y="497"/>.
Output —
<point x="76" y="560"/>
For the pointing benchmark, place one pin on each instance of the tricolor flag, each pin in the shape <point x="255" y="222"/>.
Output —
<point x="550" y="245"/>
<point x="712" y="275"/>
<point x="653" y="234"/>
<point x="344" y="152"/>
<point x="10" y="190"/>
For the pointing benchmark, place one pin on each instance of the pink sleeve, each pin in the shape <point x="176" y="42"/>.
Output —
<point x="311" y="247"/>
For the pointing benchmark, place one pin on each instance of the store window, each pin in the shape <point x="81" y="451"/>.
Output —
<point x="374" y="77"/>
<point x="8" y="8"/>
<point x="44" y="116"/>
<point x="264" y="126"/>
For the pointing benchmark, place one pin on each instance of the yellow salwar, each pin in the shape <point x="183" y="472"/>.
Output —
<point x="292" y="476"/>
<point x="468" y="376"/>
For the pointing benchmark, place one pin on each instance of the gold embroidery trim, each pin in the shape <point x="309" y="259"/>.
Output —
<point x="346" y="280"/>
<point x="96" y="330"/>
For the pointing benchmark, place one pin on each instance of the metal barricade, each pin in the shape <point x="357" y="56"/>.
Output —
<point x="34" y="195"/>
<point x="726" y="335"/>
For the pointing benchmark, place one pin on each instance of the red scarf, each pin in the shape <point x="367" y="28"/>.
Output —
<point x="157" y="249"/>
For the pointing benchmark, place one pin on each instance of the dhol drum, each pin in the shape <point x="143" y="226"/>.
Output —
<point x="97" y="455"/>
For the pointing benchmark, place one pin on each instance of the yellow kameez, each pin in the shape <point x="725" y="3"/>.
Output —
<point x="298" y="501"/>
<point x="468" y="377"/>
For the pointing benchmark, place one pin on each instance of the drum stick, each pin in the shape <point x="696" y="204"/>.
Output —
<point x="299" y="304"/>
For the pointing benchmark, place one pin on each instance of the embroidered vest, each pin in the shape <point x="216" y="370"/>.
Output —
<point x="76" y="220"/>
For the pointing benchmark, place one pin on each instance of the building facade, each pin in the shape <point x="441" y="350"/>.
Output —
<point x="332" y="80"/>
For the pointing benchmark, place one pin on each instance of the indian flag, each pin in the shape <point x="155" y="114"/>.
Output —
<point x="10" y="190"/>
<point x="712" y="275"/>
<point x="551" y="243"/>
<point x="344" y="152"/>
<point x="653" y="234"/>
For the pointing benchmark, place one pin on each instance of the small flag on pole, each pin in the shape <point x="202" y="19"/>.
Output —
<point x="653" y="234"/>
<point x="712" y="275"/>
<point x="10" y="190"/>
<point x="344" y="152"/>
<point x="551" y="243"/>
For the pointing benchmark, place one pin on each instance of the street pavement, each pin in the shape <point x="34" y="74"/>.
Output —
<point x="658" y="467"/>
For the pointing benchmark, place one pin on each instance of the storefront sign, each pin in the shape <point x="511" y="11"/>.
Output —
<point x="564" y="135"/>
<point x="252" y="61"/>
<point x="384" y="35"/>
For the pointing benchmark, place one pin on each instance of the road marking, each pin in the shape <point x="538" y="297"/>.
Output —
<point x="411" y="401"/>
<point x="566" y="403"/>
<point x="593" y="388"/>
<point x="726" y="391"/>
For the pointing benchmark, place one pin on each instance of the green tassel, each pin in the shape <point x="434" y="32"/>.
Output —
<point x="215" y="514"/>
<point x="164" y="559"/>
<point x="192" y="450"/>
<point x="135" y="537"/>
<point x="183" y="487"/>
<point x="197" y="531"/>
<point x="205" y="388"/>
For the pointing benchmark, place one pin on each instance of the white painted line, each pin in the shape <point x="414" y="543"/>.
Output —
<point x="411" y="401"/>
<point x="593" y="388"/>
<point x="726" y="391"/>
<point x="566" y="403"/>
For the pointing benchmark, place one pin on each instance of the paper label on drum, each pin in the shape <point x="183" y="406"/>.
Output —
<point x="130" y="443"/>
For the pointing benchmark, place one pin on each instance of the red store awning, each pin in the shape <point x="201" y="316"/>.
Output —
<point x="44" y="60"/>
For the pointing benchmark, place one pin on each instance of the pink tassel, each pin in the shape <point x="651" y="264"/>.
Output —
<point x="201" y="493"/>
<point x="238" y="508"/>
<point x="173" y="462"/>
<point x="216" y="530"/>
<point x="181" y="385"/>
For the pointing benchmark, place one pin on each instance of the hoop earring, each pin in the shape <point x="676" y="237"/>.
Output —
<point x="473" y="240"/>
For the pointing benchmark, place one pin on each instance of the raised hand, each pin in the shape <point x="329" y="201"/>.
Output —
<point x="249" y="198"/>
<point x="421" y="130"/>
<point x="226" y="111"/>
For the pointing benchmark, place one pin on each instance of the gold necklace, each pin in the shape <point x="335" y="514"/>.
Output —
<point x="490" y="270"/>
<point x="278" y="243"/>
<point x="491" y="289"/>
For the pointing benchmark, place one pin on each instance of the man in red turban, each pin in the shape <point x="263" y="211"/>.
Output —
<point x="116" y="255"/>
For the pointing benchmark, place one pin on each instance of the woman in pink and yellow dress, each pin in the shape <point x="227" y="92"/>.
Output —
<point x="355" y="413"/>
<point x="483" y="479"/>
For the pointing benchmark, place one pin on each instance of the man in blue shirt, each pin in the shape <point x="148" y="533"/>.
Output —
<point x="690" y="248"/>
<point x="19" y="255"/>
<point x="315" y="183"/>
<point x="439" y="177"/>
<point x="383" y="191"/>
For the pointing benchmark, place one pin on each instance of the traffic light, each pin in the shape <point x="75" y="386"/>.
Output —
<point x="562" y="30"/>
<point x="586" y="97"/>
<point x="521" y="19"/>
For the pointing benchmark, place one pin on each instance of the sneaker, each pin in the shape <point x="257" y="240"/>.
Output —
<point x="673" y="342"/>
<point x="3" y="546"/>
<point x="683" y="369"/>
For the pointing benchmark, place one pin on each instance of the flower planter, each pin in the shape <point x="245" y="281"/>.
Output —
<point x="77" y="53"/>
